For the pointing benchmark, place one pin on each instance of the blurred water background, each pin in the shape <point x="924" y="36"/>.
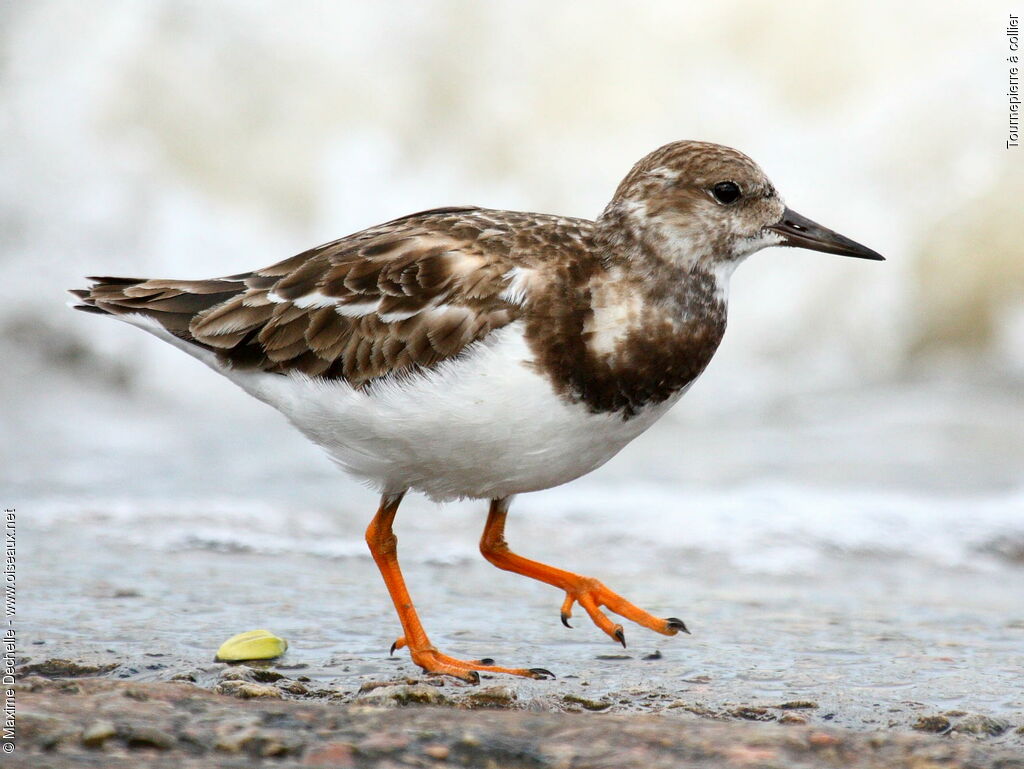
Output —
<point x="859" y="431"/>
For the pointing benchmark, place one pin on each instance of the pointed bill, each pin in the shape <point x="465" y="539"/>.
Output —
<point x="801" y="232"/>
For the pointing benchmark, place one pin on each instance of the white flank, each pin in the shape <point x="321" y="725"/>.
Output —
<point x="484" y="425"/>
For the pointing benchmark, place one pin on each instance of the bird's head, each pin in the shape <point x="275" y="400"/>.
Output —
<point x="705" y="204"/>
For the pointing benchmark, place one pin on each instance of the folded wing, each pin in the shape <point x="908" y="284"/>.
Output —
<point x="397" y="298"/>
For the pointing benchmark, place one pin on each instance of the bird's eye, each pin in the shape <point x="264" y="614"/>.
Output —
<point x="726" y="192"/>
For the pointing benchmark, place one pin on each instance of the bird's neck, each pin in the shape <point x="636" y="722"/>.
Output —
<point x="678" y="274"/>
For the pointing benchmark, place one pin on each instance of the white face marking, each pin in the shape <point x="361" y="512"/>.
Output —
<point x="744" y="247"/>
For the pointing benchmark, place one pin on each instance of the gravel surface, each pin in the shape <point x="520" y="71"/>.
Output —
<point x="109" y="723"/>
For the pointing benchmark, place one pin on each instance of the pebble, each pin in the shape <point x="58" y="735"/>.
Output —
<point x="798" y="705"/>
<point x="933" y="724"/>
<point x="492" y="696"/>
<point x="438" y="752"/>
<point x="246" y="690"/>
<point x="61" y="668"/>
<point x="146" y="737"/>
<point x="585" y="703"/>
<point x="982" y="725"/>
<point x="751" y="713"/>
<point x="97" y="733"/>
<point x="417" y="694"/>
<point x="293" y="687"/>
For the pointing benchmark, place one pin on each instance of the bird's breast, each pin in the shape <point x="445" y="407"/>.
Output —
<point x="624" y="345"/>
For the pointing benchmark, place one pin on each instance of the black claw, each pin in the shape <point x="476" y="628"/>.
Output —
<point x="565" y="621"/>
<point x="473" y="677"/>
<point x="393" y="647"/>
<point x="677" y="624"/>
<point x="542" y="673"/>
<point x="621" y="637"/>
<point x="486" y="661"/>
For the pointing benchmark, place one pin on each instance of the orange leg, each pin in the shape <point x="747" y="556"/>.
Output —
<point x="384" y="548"/>
<point x="586" y="591"/>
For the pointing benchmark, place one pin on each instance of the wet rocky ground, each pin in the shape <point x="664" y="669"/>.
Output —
<point x="258" y="714"/>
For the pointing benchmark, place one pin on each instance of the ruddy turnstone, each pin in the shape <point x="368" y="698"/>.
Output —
<point x="468" y="352"/>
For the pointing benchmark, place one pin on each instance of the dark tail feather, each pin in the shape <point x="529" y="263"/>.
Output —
<point x="172" y="303"/>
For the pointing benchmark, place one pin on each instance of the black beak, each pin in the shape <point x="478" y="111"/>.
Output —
<point x="801" y="232"/>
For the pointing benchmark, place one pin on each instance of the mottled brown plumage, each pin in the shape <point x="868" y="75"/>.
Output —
<point x="402" y="297"/>
<point x="405" y="295"/>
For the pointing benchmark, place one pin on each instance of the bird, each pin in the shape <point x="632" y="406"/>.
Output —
<point x="474" y="353"/>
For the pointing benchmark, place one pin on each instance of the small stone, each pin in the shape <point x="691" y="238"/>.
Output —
<point x="61" y="668"/>
<point x="418" y="694"/>
<point x="751" y="713"/>
<point x="492" y="696"/>
<point x="246" y="690"/>
<point x="97" y="733"/>
<point x="586" y="704"/>
<point x="438" y="752"/>
<point x="146" y="737"/>
<point x="934" y="724"/>
<point x="790" y="718"/>
<point x="369" y="686"/>
<point x="293" y="687"/>
<point x="798" y="705"/>
<point x="240" y="673"/>
<point x="980" y="725"/>
<point x="265" y="676"/>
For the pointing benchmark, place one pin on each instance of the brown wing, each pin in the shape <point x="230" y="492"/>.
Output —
<point x="396" y="298"/>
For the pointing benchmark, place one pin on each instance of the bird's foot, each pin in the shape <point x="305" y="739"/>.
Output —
<point x="592" y="595"/>
<point x="434" y="662"/>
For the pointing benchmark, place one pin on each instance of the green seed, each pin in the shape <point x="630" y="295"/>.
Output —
<point x="254" y="645"/>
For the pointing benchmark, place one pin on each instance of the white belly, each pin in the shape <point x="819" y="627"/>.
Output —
<point x="486" y="425"/>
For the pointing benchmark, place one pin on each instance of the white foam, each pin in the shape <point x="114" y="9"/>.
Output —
<point x="759" y="529"/>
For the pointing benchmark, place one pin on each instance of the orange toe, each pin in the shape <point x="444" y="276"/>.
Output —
<point x="434" y="662"/>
